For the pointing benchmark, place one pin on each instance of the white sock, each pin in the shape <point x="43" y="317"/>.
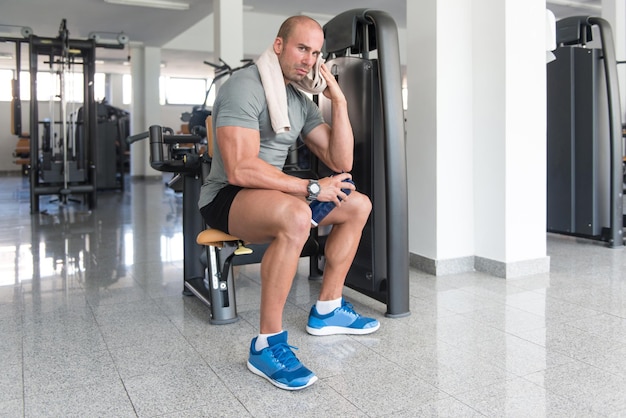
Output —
<point x="261" y="341"/>
<point x="327" y="306"/>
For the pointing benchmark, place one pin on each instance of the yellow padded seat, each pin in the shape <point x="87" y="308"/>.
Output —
<point x="214" y="238"/>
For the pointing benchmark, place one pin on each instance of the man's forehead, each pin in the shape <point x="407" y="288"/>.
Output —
<point x="311" y="36"/>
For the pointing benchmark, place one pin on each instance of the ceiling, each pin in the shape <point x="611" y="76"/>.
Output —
<point x="156" y="27"/>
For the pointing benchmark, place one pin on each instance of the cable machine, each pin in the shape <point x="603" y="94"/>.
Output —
<point x="363" y="54"/>
<point x="62" y="148"/>
<point x="585" y="155"/>
<point x="65" y="166"/>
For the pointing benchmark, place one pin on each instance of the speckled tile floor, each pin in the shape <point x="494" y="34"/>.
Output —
<point x="93" y="323"/>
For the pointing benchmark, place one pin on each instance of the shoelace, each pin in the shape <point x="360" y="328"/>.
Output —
<point x="349" y="308"/>
<point x="282" y="352"/>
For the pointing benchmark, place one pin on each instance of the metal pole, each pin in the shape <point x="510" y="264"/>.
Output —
<point x="616" y="238"/>
<point x="395" y="163"/>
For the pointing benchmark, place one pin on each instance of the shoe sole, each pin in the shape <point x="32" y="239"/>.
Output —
<point x="332" y="330"/>
<point x="279" y="384"/>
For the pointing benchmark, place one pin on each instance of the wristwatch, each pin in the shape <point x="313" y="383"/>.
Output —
<point x="313" y="189"/>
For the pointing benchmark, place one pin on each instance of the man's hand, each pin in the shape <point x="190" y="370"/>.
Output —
<point x="331" y="188"/>
<point x="332" y="90"/>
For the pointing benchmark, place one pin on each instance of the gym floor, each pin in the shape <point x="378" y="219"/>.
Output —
<point x="93" y="323"/>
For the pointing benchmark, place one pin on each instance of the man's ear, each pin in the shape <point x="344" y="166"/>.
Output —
<point x="278" y="45"/>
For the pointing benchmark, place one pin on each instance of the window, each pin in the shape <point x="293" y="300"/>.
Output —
<point x="6" y="93"/>
<point x="99" y="86"/>
<point x="162" y="97"/>
<point x="187" y="91"/>
<point x="174" y="90"/>
<point x="405" y="98"/>
<point x="48" y="86"/>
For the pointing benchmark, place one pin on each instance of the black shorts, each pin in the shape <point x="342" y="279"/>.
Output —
<point x="215" y="214"/>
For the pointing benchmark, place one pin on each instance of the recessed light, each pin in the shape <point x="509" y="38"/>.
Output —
<point x="159" y="4"/>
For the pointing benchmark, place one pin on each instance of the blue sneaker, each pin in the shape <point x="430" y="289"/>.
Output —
<point x="342" y="320"/>
<point x="279" y="365"/>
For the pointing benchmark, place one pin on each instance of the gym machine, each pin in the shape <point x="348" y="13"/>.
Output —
<point x="584" y="152"/>
<point x="63" y="152"/>
<point x="363" y="53"/>
<point x="184" y="155"/>
<point x="373" y="89"/>
<point x="112" y="129"/>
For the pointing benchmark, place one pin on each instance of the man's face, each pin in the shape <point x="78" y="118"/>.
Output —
<point x="300" y="51"/>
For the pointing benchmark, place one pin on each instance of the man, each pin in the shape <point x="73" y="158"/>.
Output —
<point x="248" y="195"/>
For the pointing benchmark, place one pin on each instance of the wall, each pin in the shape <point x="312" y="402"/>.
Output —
<point x="259" y="32"/>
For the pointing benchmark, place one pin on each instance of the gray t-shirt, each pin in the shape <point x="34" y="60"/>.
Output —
<point x="241" y="102"/>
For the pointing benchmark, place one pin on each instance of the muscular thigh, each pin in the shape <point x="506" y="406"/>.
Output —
<point x="258" y="215"/>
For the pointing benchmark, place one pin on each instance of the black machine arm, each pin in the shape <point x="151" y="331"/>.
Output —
<point x="224" y="69"/>
<point x="186" y="162"/>
<point x="358" y="32"/>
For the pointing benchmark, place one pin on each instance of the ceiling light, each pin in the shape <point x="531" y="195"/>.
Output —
<point x="573" y="3"/>
<point x="25" y="31"/>
<point x="159" y="4"/>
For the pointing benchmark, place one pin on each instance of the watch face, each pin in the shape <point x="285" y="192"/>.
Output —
<point x="315" y="188"/>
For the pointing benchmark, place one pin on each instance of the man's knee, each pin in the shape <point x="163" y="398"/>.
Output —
<point x="296" y="218"/>
<point x="361" y="205"/>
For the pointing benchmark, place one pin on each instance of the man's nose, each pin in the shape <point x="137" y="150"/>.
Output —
<point x="310" y="59"/>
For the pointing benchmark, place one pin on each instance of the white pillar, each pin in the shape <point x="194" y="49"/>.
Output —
<point x="439" y="135"/>
<point x="476" y="136"/>
<point x="510" y="136"/>
<point x="145" y="108"/>
<point x="228" y="31"/>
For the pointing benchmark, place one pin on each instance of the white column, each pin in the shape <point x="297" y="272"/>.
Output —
<point x="145" y="108"/>
<point x="228" y="31"/>
<point x="439" y="135"/>
<point x="476" y="136"/>
<point x="510" y="136"/>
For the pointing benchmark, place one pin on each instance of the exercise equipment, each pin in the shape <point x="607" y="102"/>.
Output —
<point x="363" y="53"/>
<point x="206" y="249"/>
<point x="584" y="152"/>
<point x="199" y="114"/>
<point x="62" y="163"/>
<point x="373" y="89"/>
<point x="112" y="129"/>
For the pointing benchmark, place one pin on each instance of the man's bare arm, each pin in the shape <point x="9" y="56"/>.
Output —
<point x="334" y="146"/>
<point x="239" y="148"/>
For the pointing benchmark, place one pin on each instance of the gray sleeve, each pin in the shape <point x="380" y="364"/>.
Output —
<point x="239" y="104"/>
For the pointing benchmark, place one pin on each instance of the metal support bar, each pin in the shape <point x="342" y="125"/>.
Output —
<point x="616" y="238"/>
<point x="395" y="167"/>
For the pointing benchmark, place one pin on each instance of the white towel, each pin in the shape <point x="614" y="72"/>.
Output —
<point x="275" y="91"/>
